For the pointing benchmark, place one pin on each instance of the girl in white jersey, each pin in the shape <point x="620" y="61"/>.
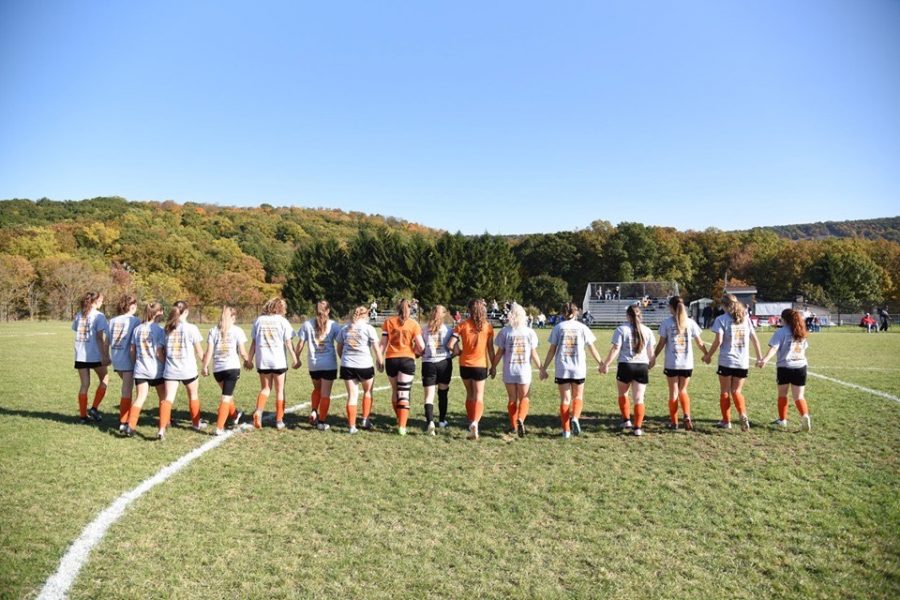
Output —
<point x="183" y="350"/>
<point x="568" y="341"/>
<point x="120" y="331"/>
<point x="790" y="344"/>
<point x="91" y="353"/>
<point x="675" y="335"/>
<point x="633" y="343"/>
<point x="271" y="338"/>
<point x="734" y="332"/>
<point x="319" y="335"/>
<point x="517" y="346"/>
<point x="226" y="344"/>
<point x="355" y="344"/>
<point x="437" y="366"/>
<point x="148" y="353"/>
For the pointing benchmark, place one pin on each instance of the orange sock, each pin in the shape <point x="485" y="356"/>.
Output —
<point x="801" y="406"/>
<point x="638" y="415"/>
<point x="725" y="406"/>
<point x="133" y="416"/>
<point x="261" y="400"/>
<point x="783" y="408"/>
<point x="165" y="414"/>
<point x="233" y="412"/>
<point x="279" y="411"/>
<point x="577" y="405"/>
<point x="478" y="411"/>
<point x="351" y="415"/>
<point x="82" y="405"/>
<point x="402" y="415"/>
<point x="564" y="416"/>
<point x="513" y="412"/>
<point x="685" y="403"/>
<point x="324" y="405"/>
<point x="367" y="405"/>
<point x="98" y="395"/>
<point x="624" y="408"/>
<point x="124" y="408"/>
<point x="673" y="410"/>
<point x="194" y="408"/>
<point x="224" y="411"/>
<point x="470" y="411"/>
<point x="523" y="408"/>
<point x="740" y="403"/>
<point x="316" y="395"/>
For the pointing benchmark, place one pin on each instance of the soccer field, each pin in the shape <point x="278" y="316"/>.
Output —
<point x="303" y="513"/>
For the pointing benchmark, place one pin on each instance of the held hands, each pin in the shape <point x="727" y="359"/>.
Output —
<point x="652" y="362"/>
<point x="543" y="373"/>
<point x="380" y="366"/>
<point x="205" y="371"/>
<point x="298" y="364"/>
<point x="760" y="362"/>
<point x="248" y="365"/>
<point x="707" y="358"/>
<point x="493" y="372"/>
<point x="604" y="368"/>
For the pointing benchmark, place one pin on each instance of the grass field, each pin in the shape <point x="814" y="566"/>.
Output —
<point x="302" y="513"/>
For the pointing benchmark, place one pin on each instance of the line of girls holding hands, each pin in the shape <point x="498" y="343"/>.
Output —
<point x="146" y="354"/>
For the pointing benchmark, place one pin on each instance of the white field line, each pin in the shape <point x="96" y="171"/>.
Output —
<point x="848" y="368"/>
<point x="856" y="387"/>
<point x="58" y="585"/>
<point x="18" y="335"/>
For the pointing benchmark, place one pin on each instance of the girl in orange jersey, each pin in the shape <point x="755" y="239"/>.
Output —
<point x="91" y="353"/>
<point x="473" y="341"/>
<point x="401" y="343"/>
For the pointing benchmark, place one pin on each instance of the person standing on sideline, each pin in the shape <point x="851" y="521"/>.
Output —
<point x="568" y="341"/>
<point x="270" y="339"/>
<point x="734" y="333"/>
<point x="675" y="335"/>
<point x="789" y="342"/>
<point x="632" y="342"/>
<point x="183" y="349"/>
<point x="517" y="346"/>
<point x="226" y="348"/>
<point x="437" y="367"/>
<point x="121" y="329"/>
<point x="91" y="354"/>
<point x="148" y="353"/>
<point x="473" y="341"/>
<point x="319" y="335"/>
<point x="401" y="342"/>
<point x="355" y="344"/>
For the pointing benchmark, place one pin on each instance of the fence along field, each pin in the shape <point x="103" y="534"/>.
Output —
<point x="301" y="513"/>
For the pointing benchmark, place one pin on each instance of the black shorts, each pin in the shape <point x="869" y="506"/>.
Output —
<point x="228" y="378"/>
<point x="271" y="371"/>
<point x="678" y="372"/>
<point x="184" y="381"/>
<point x="732" y="372"/>
<point x="474" y="373"/>
<point x="328" y="375"/>
<point x="785" y="376"/>
<point x="87" y="365"/>
<point x="568" y="380"/>
<point x="355" y="374"/>
<point x="395" y="366"/>
<point x="637" y="372"/>
<point x="434" y="373"/>
<point x="151" y="382"/>
<point x="123" y="371"/>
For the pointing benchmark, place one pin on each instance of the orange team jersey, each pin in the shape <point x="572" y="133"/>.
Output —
<point x="400" y="337"/>
<point x="473" y="352"/>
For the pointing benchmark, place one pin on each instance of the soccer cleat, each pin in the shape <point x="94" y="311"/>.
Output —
<point x="200" y="426"/>
<point x="638" y="431"/>
<point x="806" y="423"/>
<point x="367" y="424"/>
<point x="257" y="419"/>
<point x="671" y="425"/>
<point x="723" y="424"/>
<point x="220" y="431"/>
<point x="161" y="435"/>
<point x="520" y="428"/>
<point x="94" y="415"/>
<point x="575" y="426"/>
<point x="279" y="425"/>
<point x="443" y="424"/>
<point x="128" y="431"/>
<point x="237" y="420"/>
<point x="352" y="430"/>
<point x="688" y="423"/>
<point x="566" y="435"/>
<point x="430" y="429"/>
<point x="626" y="424"/>
<point x="780" y="423"/>
<point x="745" y="423"/>
<point x="84" y="421"/>
<point x="401" y="430"/>
<point x="323" y="426"/>
<point x="122" y="427"/>
<point x="473" y="432"/>
<point x="314" y="418"/>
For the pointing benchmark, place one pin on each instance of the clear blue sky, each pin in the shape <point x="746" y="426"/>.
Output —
<point x="507" y="117"/>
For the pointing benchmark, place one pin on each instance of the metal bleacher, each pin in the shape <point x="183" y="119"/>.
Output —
<point x="607" y="301"/>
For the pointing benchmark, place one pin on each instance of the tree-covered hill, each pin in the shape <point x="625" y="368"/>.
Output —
<point x="887" y="228"/>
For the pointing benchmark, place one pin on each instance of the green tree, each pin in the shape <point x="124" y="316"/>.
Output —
<point x="849" y="277"/>
<point x="545" y="292"/>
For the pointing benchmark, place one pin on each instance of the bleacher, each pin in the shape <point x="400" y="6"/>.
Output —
<point x="612" y="312"/>
<point x="607" y="301"/>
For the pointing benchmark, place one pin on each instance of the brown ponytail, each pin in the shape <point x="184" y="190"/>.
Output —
<point x="734" y="308"/>
<point x="275" y="306"/>
<point x="637" y="335"/>
<point x="403" y="310"/>
<point x="569" y="311"/>
<point x="794" y="320"/>
<point x="323" y="310"/>
<point x="125" y="302"/>
<point x="87" y="301"/>
<point x="151" y="311"/>
<point x="437" y="319"/>
<point x="174" y="315"/>
<point x="226" y="319"/>
<point x="477" y="314"/>
<point x="677" y="305"/>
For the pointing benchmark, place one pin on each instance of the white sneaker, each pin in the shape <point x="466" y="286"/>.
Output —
<point x="575" y="427"/>
<point x="201" y="426"/>
<point x="161" y="435"/>
<point x="122" y="427"/>
<point x="781" y="423"/>
<point x="313" y="418"/>
<point x="723" y="424"/>
<point x="352" y="430"/>
<point x="443" y="424"/>
<point x="806" y="423"/>
<point x="473" y="432"/>
<point x="626" y="424"/>
<point x="745" y="423"/>
<point x="567" y="435"/>
<point x="401" y="430"/>
<point x="430" y="429"/>
<point x="220" y="431"/>
<point x="323" y="426"/>
<point x="280" y="425"/>
<point x="638" y="431"/>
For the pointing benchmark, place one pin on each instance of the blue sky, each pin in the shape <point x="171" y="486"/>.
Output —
<point x="506" y="117"/>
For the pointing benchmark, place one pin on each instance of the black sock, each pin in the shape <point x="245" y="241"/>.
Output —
<point x="429" y="413"/>
<point x="442" y="403"/>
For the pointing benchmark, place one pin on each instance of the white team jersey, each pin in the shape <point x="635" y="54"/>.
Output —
<point x="735" y="350"/>
<point x="791" y="352"/>
<point x="226" y="348"/>
<point x="120" y="330"/>
<point x="517" y="345"/>
<point x="270" y="332"/>
<point x="436" y="345"/>
<point x="679" y="350"/>
<point x="146" y="338"/>
<point x="86" y="329"/>
<point x="181" y="358"/>
<point x="570" y="338"/>
<point x="320" y="352"/>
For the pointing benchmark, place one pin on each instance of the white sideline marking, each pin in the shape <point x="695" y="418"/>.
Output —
<point x="58" y="585"/>
<point x="18" y="335"/>
<point x="856" y="387"/>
